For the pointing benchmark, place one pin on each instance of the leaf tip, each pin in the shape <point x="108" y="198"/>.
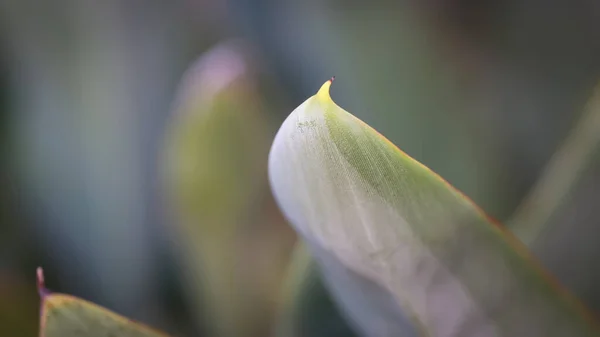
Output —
<point x="41" y="283"/>
<point x="323" y="93"/>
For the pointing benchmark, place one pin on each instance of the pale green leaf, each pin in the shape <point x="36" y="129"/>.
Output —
<point x="68" y="316"/>
<point x="380" y="222"/>
<point x="232" y="238"/>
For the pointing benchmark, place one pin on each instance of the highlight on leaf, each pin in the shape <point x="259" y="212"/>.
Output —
<point x="68" y="316"/>
<point x="379" y="222"/>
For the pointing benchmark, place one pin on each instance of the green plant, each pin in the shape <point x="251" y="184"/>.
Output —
<point x="402" y="252"/>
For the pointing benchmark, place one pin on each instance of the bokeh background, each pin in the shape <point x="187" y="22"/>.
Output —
<point x="482" y="92"/>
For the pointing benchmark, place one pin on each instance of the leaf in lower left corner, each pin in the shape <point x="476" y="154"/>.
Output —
<point x="69" y="316"/>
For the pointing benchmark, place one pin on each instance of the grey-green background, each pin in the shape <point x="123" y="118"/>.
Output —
<point x="482" y="92"/>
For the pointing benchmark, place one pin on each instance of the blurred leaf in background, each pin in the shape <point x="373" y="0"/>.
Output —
<point x="64" y="315"/>
<point x="215" y="171"/>
<point x="307" y="308"/>
<point x="565" y="194"/>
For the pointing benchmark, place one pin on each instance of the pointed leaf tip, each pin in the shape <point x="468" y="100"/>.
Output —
<point x="41" y="283"/>
<point x="323" y="93"/>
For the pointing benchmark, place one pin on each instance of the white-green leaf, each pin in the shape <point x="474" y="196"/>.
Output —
<point x="381" y="223"/>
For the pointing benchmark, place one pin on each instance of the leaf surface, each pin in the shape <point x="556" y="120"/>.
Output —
<point x="360" y="202"/>
<point x="68" y="316"/>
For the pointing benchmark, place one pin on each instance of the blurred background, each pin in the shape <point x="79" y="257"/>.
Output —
<point x="134" y="136"/>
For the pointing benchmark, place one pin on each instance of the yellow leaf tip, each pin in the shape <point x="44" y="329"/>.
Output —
<point x="323" y="93"/>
